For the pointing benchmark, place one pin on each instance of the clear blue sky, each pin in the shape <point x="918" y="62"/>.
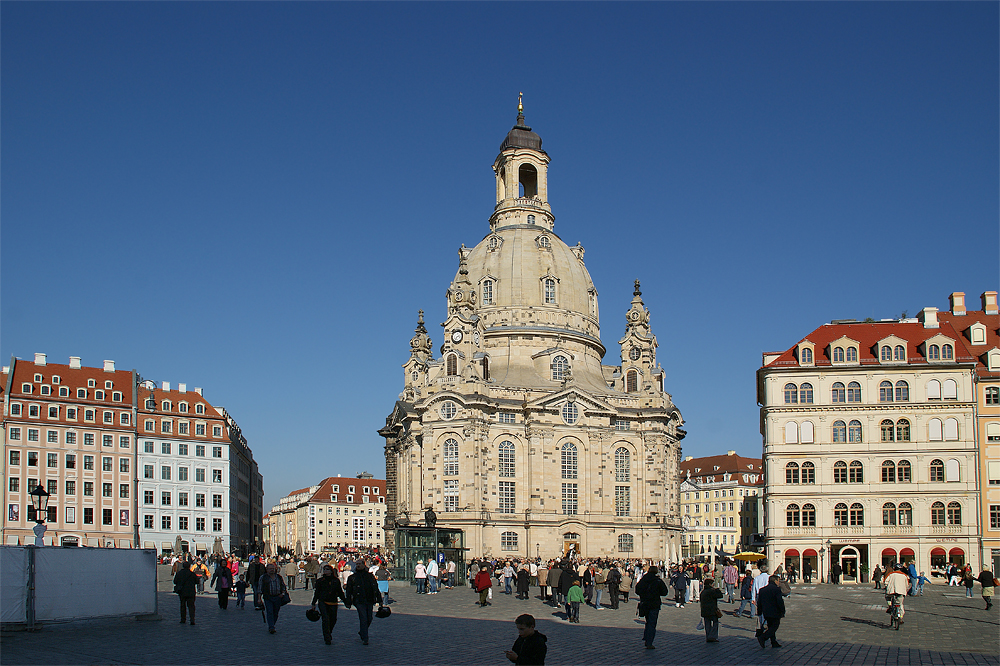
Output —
<point x="257" y="198"/>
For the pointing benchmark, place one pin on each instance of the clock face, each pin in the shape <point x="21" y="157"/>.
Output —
<point x="459" y="295"/>
<point x="634" y="353"/>
<point x="456" y="336"/>
<point x="633" y="315"/>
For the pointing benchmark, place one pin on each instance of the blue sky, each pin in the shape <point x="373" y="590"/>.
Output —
<point x="257" y="198"/>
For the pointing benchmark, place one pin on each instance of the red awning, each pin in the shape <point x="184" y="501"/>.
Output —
<point x="809" y="553"/>
<point x="888" y="552"/>
<point x="937" y="551"/>
<point x="906" y="552"/>
<point x="956" y="551"/>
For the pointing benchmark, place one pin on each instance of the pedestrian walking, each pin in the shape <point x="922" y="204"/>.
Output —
<point x="543" y="580"/>
<point x="291" y="572"/>
<point x="312" y="572"/>
<point x="574" y="599"/>
<point x="523" y="579"/>
<point x="530" y="646"/>
<point x="268" y="593"/>
<point x="241" y="592"/>
<point x="325" y="594"/>
<point x="746" y="594"/>
<point x="363" y="594"/>
<point x="988" y="581"/>
<point x="483" y="581"/>
<point x="383" y="576"/>
<point x="771" y="606"/>
<point x="555" y="582"/>
<point x="710" y="611"/>
<point x="223" y="581"/>
<point x="649" y="589"/>
<point x="731" y="576"/>
<point x="969" y="581"/>
<point x="679" y="581"/>
<point x="186" y="588"/>
<point x="760" y="581"/>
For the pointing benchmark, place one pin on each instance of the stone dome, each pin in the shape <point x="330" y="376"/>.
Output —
<point x="521" y="136"/>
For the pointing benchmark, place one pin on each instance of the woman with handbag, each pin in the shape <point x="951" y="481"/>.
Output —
<point x="223" y="581"/>
<point x="272" y="593"/>
<point x="710" y="610"/>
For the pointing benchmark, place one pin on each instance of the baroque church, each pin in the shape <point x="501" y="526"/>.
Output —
<point x="517" y="433"/>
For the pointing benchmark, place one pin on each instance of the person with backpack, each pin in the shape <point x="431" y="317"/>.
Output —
<point x="649" y="589"/>
<point x="363" y="594"/>
<point x="186" y="587"/>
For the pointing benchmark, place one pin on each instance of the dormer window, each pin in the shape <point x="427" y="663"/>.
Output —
<point x="56" y="379"/>
<point x="487" y="292"/>
<point x="117" y="396"/>
<point x="199" y="408"/>
<point x="108" y="384"/>
<point x="977" y="335"/>
<point x="559" y="367"/>
<point x="38" y="378"/>
<point x="852" y="354"/>
<point x="806" y="356"/>
<point x="91" y="383"/>
<point x="549" y="286"/>
<point x="899" y="353"/>
<point x="165" y="405"/>
<point x="98" y="395"/>
<point x="182" y="407"/>
<point x="947" y="352"/>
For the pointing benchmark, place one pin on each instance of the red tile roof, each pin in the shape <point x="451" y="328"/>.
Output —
<point x="963" y="323"/>
<point x="327" y="484"/>
<point x="733" y="464"/>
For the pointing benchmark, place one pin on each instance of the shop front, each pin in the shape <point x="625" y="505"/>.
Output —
<point x="424" y="544"/>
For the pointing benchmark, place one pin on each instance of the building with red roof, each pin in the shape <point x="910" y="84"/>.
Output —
<point x="870" y="441"/>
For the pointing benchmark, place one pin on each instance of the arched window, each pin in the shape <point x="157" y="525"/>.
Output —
<point x="856" y="472"/>
<point x="791" y="394"/>
<point x="486" y="368"/>
<point x="902" y="391"/>
<point x="886" y="353"/>
<point x="791" y="432"/>
<point x="568" y="460"/>
<point x="937" y="470"/>
<point x="806" y="431"/>
<point x="857" y="514"/>
<point x="450" y="457"/>
<point x="905" y="514"/>
<point x="888" y="429"/>
<point x="934" y="353"/>
<point x="839" y="431"/>
<point x="559" y="365"/>
<point x="550" y="291"/>
<point x="888" y="513"/>
<point x="631" y="381"/>
<point x="852" y="354"/>
<point x="950" y="429"/>
<point x="806" y="394"/>
<point x="899" y="353"/>
<point x="792" y="473"/>
<point x="854" y="431"/>
<point x="947" y="352"/>
<point x="199" y="408"/>
<point x="452" y="365"/>
<point x="808" y="474"/>
<point x="792" y="516"/>
<point x="854" y="392"/>
<point x="903" y="471"/>
<point x="933" y="390"/>
<point x="837" y="393"/>
<point x="951" y="470"/>
<point x="840" y="515"/>
<point x="626" y="543"/>
<point x="934" y="430"/>
<point x="623" y="463"/>
<point x="506" y="458"/>
<point x="950" y="390"/>
<point x="487" y="292"/>
<point x="807" y="355"/>
<point x="937" y="513"/>
<point x="888" y="471"/>
<point x="902" y="430"/>
<point x="840" y="472"/>
<point x="808" y="516"/>
<point x="885" y="392"/>
<point x="508" y="541"/>
<point x="838" y="354"/>
<point x="954" y="513"/>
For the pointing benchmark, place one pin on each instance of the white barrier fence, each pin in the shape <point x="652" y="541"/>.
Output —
<point x="45" y="584"/>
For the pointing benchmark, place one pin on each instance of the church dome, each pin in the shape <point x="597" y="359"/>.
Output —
<point x="521" y="136"/>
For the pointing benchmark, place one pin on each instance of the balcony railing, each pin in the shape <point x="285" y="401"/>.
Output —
<point x="947" y="529"/>
<point x="801" y="531"/>
<point x="897" y="529"/>
<point x="843" y="531"/>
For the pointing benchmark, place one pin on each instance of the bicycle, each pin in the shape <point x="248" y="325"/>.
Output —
<point x="895" y="611"/>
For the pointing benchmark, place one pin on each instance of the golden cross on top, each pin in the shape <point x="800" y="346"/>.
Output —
<point x="520" y="107"/>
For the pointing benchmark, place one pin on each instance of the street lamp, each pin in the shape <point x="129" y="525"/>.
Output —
<point x="40" y="502"/>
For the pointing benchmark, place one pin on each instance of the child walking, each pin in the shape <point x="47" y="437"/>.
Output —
<point x="241" y="592"/>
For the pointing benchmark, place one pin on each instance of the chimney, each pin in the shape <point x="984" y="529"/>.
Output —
<point x="182" y="388"/>
<point x="166" y="386"/>
<point x="74" y="362"/>
<point x="197" y="389"/>
<point x="689" y="458"/>
<point x="957" y="300"/>
<point x="39" y="359"/>
<point x="929" y="317"/>
<point x="109" y="366"/>
<point x="990" y="302"/>
<point x="730" y="453"/>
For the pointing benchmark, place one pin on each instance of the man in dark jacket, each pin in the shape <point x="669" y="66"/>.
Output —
<point x="362" y="592"/>
<point x="614" y="580"/>
<point x="529" y="648"/>
<point x="326" y="592"/>
<point x="569" y="575"/>
<point x="186" y="587"/>
<point x="649" y="589"/>
<point x="770" y="604"/>
<point x="555" y="576"/>
<point x="254" y="571"/>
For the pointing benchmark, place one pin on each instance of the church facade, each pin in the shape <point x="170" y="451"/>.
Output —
<point x="516" y="431"/>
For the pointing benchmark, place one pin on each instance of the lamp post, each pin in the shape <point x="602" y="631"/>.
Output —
<point x="40" y="502"/>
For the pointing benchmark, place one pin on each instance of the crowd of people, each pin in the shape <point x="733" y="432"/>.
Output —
<point x="912" y="584"/>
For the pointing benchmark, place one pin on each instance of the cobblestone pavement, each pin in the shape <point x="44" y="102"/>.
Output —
<point x="824" y="625"/>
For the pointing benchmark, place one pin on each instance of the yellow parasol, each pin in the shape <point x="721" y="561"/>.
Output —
<point x="749" y="557"/>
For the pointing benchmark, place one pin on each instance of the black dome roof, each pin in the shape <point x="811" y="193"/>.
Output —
<point x="521" y="136"/>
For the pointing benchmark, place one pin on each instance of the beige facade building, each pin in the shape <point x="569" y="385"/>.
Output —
<point x="518" y="433"/>
<point x="719" y="499"/>
<point x="339" y="512"/>
<point x="870" y="443"/>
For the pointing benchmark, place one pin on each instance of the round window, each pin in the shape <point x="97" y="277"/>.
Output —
<point x="570" y="413"/>
<point x="448" y="410"/>
<point x="634" y="353"/>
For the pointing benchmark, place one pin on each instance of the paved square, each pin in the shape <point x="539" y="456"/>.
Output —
<point x="824" y="625"/>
